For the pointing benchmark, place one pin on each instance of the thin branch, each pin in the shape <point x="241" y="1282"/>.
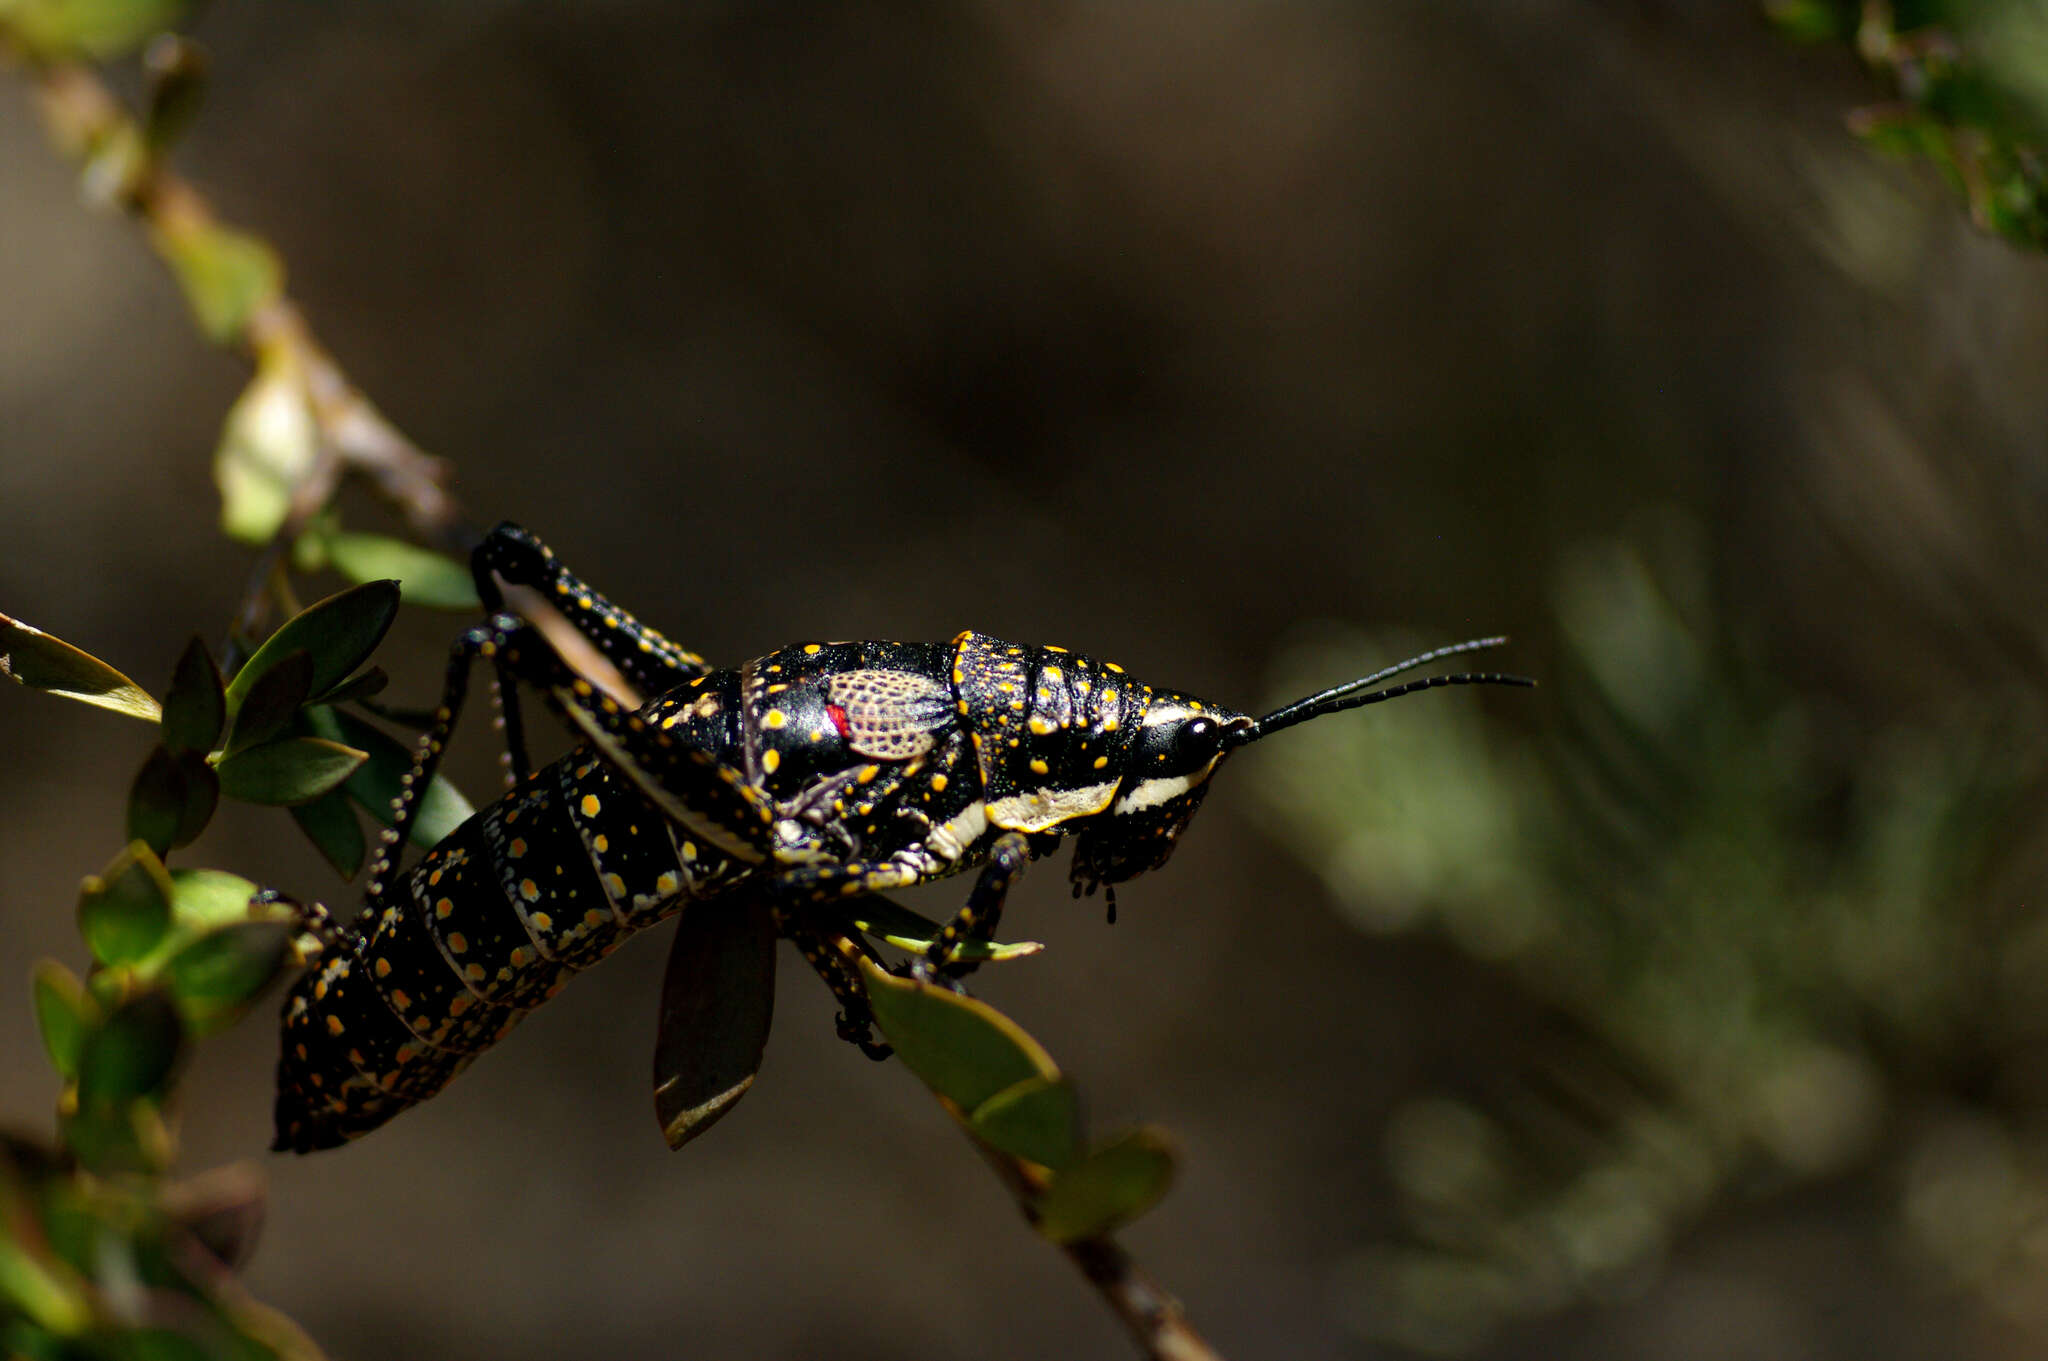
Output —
<point x="1151" y="1314"/>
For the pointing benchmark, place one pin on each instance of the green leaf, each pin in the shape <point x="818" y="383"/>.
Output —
<point x="1037" y="1120"/>
<point x="33" y="658"/>
<point x="124" y="911"/>
<point x="174" y="69"/>
<point x="424" y="577"/>
<point x="209" y="898"/>
<point x="118" y="1137"/>
<point x="195" y="707"/>
<point x="271" y="700"/>
<point x="37" y="1285"/>
<point x="1114" y="1184"/>
<point x="963" y="1049"/>
<point x="382" y="778"/>
<point x="331" y="824"/>
<point x="63" y="1014"/>
<point x="267" y="448"/>
<point x="99" y="29"/>
<point x="215" y="977"/>
<point x="132" y="1053"/>
<point x="289" y="770"/>
<point x="227" y="275"/>
<point x="340" y="632"/>
<point x="172" y="800"/>
<point x="365" y="683"/>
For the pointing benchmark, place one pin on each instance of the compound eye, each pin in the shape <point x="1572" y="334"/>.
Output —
<point x="1196" y="743"/>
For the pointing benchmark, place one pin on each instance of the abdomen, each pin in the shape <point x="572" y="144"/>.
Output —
<point x="488" y="925"/>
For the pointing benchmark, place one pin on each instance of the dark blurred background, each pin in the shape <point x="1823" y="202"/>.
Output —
<point x="1691" y="1007"/>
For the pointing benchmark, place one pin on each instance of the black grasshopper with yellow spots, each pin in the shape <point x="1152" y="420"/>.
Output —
<point x="759" y="801"/>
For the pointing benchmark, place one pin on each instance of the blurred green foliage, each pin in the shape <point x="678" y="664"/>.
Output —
<point x="1770" y="936"/>
<point x="1971" y="85"/>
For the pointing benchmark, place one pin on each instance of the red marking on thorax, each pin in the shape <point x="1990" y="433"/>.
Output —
<point x="838" y="717"/>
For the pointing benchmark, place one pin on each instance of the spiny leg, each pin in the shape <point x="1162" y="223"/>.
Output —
<point x="832" y="955"/>
<point x="319" y="932"/>
<point x="977" y="921"/>
<point x="500" y="637"/>
<point x="643" y="656"/>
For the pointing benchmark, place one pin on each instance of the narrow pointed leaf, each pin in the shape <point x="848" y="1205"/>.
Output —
<point x="271" y="701"/>
<point x="424" y="577"/>
<point x="340" y="632"/>
<point x="1114" y="1184"/>
<point x="289" y="770"/>
<point x="1037" y="1120"/>
<point x="195" y="708"/>
<point x="963" y="1049"/>
<point x="63" y="1015"/>
<point x="172" y="800"/>
<point x="34" y="658"/>
<point x="382" y="778"/>
<point x="131" y="1053"/>
<point x="216" y="977"/>
<point x="124" y="911"/>
<point x="331" y="824"/>
<point x="717" y="999"/>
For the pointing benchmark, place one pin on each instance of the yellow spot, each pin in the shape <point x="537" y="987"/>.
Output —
<point x="543" y="922"/>
<point x="867" y="774"/>
<point x="488" y="650"/>
<point x="774" y="718"/>
<point x="459" y="1006"/>
<point x="333" y="1024"/>
<point x="457" y="942"/>
<point x="817" y="734"/>
<point x="474" y="973"/>
<point x="594" y="919"/>
<point x="1040" y="726"/>
<point x="1101" y="761"/>
<point x="771" y="760"/>
<point x="520" y="954"/>
<point x="583" y="602"/>
<point x="1109" y="725"/>
<point x="811" y="649"/>
<point x="1038" y="768"/>
<point x="529" y="890"/>
<point x="582" y="688"/>
<point x="689" y="850"/>
<point x="778" y="687"/>
<point x="1114" y="667"/>
<point x="320" y="988"/>
<point x="1006" y="687"/>
<point x="666" y="884"/>
<point x="517" y="848"/>
<point x="400" y="999"/>
<point x="601" y="843"/>
<point x="938" y="784"/>
<point x="434" y="878"/>
<point x="383" y="967"/>
<point x="615" y="886"/>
